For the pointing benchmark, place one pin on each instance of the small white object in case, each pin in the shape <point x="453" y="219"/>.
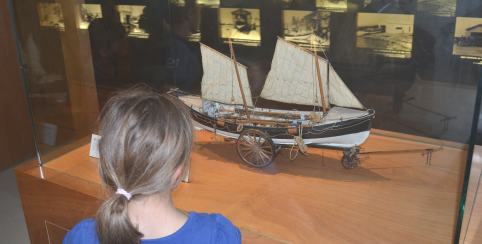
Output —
<point x="185" y="173"/>
<point x="94" y="146"/>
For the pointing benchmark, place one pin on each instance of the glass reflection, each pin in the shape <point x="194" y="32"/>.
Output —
<point x="111" y="50"/>
<point x="443" y="8"/>
<point x="380" y="52"/>
<point x="148" y="44"/>
<point x="183" y="59"/>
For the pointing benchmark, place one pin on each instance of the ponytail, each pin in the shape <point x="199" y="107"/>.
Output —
<point x="113" y="224"/>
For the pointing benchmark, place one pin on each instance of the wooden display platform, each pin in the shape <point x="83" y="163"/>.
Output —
<point x="394" y="198"/>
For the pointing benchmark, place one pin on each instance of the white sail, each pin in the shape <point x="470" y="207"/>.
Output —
<point x="339" y="94"/>
<point x="293" y="79"/>
<point x="220" y="82"/>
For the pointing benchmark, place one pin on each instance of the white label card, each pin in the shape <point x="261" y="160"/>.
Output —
<point x="94" y="146"/>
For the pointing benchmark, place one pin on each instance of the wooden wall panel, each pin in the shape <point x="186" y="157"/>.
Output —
<point x="45" y="202"/>
<point x="55" y="233"/>
<point x="16" y="136"/>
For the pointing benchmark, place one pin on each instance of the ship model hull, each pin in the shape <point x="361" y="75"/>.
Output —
<point x="338" y="133"/>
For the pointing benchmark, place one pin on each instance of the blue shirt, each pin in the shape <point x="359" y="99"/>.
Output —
<point x="199" y="228"/>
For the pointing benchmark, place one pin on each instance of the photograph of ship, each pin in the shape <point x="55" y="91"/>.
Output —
<point x="385" y="31"/>
<point x="444" y="8"/>
<point x="129" y="16"/>
<point x="332" y="5"/>
<point x="468" y="37"/>
<point x="297" y="28"/>
<point x="241" y="25"/>
<point x="88" y="13"/>
<point x="50" y="15"/>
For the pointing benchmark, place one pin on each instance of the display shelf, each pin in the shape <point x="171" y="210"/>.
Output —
<point x="389" y="197"/>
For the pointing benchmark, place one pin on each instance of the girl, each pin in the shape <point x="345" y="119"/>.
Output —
<point x="146" y="141"/>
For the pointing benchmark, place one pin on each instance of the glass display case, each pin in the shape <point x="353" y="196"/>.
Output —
<point x="394" y="79"/>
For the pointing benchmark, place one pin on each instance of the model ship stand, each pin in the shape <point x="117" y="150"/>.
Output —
<point x="338" y="120"/>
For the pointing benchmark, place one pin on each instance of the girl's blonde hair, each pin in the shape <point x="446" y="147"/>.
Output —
<point x="146" y="137"/>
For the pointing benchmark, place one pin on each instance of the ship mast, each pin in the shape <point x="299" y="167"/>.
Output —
<point x="317" y="72"/>
<point x="239" y="79"/>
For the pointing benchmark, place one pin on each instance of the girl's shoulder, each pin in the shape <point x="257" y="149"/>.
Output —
<point x="83" y="232"/>
<point x="220" y="228"/>
<point x="200" y="228"/>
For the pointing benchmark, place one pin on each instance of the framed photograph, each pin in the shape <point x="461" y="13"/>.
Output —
<point x="332" y="5"/>
<point x="297" y="28"/>
<point x="208" y="3"/>
<point x="88" y="13"/>
<point x="468" y="37"/>
<point x="390" y="32"/>
<point x="241" y="25"/>
<point x="50" y="15"/>
<point x="129" y="17"/>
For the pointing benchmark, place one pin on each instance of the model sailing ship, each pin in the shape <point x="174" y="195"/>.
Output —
<point x="297" y="76"/>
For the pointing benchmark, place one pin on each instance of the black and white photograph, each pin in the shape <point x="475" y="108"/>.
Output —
<point x="297" y="28"/>
<point x="208" y="3"/>
<point x="241" y="25"/>
<point x="129" y="16"/>
<point x="332" y="5"/>
<point x="50" y="15"/>
<point x="88" y="13"/>
<point x="468" y="37"/>
<point x="442" y="8"/>
<point x="201" y="3"/>
<point x="385" y="31"/>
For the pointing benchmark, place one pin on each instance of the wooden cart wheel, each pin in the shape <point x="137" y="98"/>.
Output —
<point x="349" y="162"/>
<point x="256" y="148"/>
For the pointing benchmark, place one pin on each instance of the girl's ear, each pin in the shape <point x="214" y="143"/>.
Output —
<point x="179" y="171"/>
<point x="177" y="176"/>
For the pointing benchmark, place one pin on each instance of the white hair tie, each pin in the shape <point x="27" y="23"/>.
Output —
<point x="121" y="191"/>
